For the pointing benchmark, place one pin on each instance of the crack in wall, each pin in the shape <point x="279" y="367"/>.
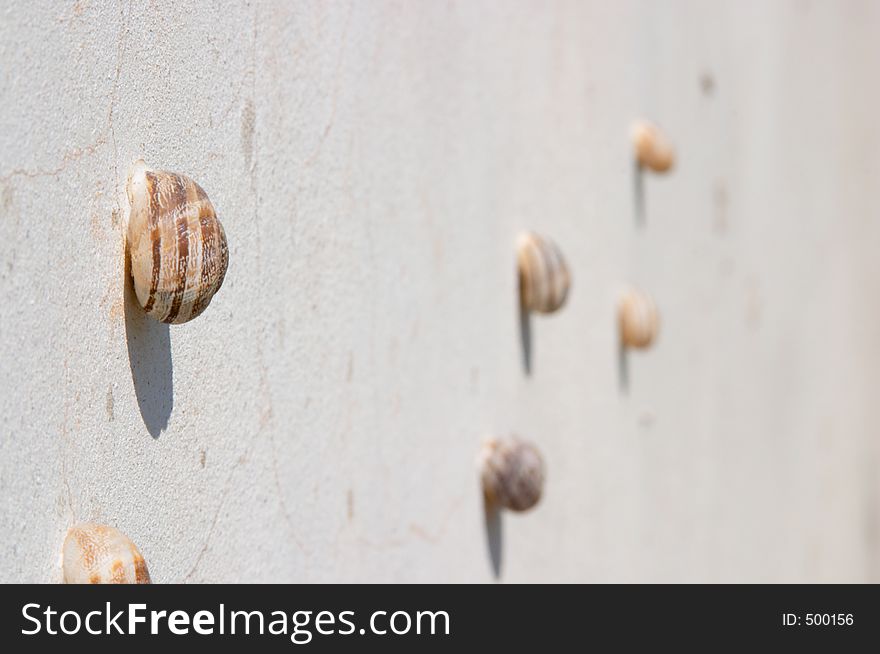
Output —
<point x="337" y="75"/>
<point x="76" y="153"/>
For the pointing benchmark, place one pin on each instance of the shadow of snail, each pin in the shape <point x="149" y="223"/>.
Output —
<point x="176" y="258"/>
<point x="544" y="284"/>
<point x="512" y="476"/>
<point x="638" y="323"/>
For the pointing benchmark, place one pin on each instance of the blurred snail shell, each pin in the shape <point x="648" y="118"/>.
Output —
<point x="544" y="279"/>
<point x="96" y="554"/>
<point x="653" y="149"/>
<point x="177" y="245"/>
<point x="639" y="319"/>
<point x="512" y="473"/>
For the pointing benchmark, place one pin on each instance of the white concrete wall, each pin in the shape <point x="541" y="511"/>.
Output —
<point x="372" y="163"/>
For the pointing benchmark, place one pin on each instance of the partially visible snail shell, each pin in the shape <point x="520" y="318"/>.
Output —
<point x="512" y="473"/>
<point x="177" y="245"/>
<point x="96" y="554"/>
<point x="639" y="319"/>
<point x="544" y="279"/>
<point x="653" y="149"/>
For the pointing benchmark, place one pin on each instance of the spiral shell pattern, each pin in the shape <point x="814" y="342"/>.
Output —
<point x="177" y="245"/>
<point x="512" y="473"/>
<point x="96" y="554"/>
<point x="544" y="279"/>
<point x="652" y="148"/>
<point x="639" y="319"/>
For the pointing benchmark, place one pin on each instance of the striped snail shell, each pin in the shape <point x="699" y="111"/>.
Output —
<point x="176" y="243"/>
<point x="653" y="149"/>
<point x="96" y="554"/>
<point x="544" y="279"/>
<point x="512" y="473"/>
<point x="639" y="319"/>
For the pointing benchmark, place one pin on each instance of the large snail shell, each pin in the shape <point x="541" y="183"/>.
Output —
<point x="512" y="473"/>
<point x="544" y="279"/>
<point x="95" y="554"/>
<point x="177" y="245"/>
<point x="639" y="319"/>
<point x="653" y="149"/>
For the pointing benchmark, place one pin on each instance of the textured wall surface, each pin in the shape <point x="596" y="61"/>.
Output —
<point x="372" y="163"/>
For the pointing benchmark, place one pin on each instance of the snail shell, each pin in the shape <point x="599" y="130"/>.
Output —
<point x="177" y="245"/>
<point x="512" y="473"/>
<point x="96" y="554"/>
<point x="639" y="319"/>
<point x="653" y="149"/>
<point x="544" y="279"/>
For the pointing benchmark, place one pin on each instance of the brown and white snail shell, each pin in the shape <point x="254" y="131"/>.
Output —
<point x="97" y="554"/>
<point x="512" y="473"/>
<point x="176" y="242"/>
<point x="639" y="319"/>
<point x="652" y="148"/>
<point x="544" y="279"/>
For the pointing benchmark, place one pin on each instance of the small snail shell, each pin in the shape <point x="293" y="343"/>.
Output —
<point x="95" y="554"/>
<point x="176" y="243"/>
<point x="639" y="319"/>
<point x="544" y="279"/>
<point x="653" y="149"/>
<point x="512" y="473"/>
